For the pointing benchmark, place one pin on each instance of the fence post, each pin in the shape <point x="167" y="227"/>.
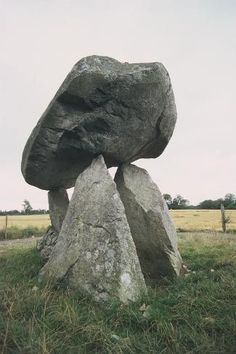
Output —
<point x="223" y="218"/>
<point x="6" y="222"/>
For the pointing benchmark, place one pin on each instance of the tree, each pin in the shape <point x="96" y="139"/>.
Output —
<point x="207" y="204"/>
<point x="168" y="199"/>
<point x="230" y="201"/>
<point x="27" y="208"/>
<point x="179" y="202"/>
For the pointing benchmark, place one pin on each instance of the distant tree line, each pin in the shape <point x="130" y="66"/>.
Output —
<point x="179" y="202"/>
<point x="27" y="210"/>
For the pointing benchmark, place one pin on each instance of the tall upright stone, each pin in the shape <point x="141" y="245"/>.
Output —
<point x="95" y="252"/>
<point x="153" y="232"/>
<point x="58" y="204"/>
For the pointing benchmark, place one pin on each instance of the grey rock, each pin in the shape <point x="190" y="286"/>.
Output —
<point x="148" y="216"/>
<point x="47" y="243"/>
<point x="58" y="204"/>
<point x="95" y="252"/>
<point x="123" y="111"/>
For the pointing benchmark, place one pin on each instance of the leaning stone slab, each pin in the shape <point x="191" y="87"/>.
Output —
<point x="95" y="252"/>
<point x="123" y="111"/>
<point x="150" y="223"/>
<point x="58" y="204"/>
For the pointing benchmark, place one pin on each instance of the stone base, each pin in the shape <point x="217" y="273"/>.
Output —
<point x="95" y="252"/>
<point x="112" y="234"/>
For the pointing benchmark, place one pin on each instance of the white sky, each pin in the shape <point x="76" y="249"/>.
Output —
<point x="196" y="41"/>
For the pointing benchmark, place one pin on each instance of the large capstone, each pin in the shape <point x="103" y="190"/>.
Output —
<point x="152" y="229"/>
<point x="95" y="252"/>
<point x="58" y="204"/>
<point x="123" y="111"/>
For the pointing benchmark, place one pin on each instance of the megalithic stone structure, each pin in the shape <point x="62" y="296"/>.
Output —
<point x="120" y="112"/>
<point x="151" y="226"/>
<point x="95" y="252"/>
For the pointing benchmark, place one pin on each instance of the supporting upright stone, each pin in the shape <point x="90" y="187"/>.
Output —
<point x="152" y="229"/>
<point x="58" y="204"/>
<point x="95" y="252"/>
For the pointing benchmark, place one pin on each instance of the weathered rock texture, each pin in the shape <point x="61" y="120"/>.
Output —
<point x="58" y="204"/>
<point x="150" y="223"/>
<point x="48" y="241"/>
<point x="123" y="111"/>
<point x="95" y="251"/>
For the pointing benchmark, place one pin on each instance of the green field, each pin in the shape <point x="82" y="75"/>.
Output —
<point x="192" y="314"/>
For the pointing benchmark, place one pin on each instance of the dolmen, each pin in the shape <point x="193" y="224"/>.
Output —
<point x="113" y="236"/>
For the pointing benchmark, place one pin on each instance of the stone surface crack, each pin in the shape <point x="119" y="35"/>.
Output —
<point x="70" y="268"/>
<point x="96" y="226"/>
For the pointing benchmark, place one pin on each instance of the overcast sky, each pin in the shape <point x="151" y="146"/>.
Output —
<point x="196" y="41"/>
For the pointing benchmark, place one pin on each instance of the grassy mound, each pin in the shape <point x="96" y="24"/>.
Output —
<point x="193" y="314"/>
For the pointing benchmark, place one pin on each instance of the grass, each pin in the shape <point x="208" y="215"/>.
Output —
<point x="193" y="314"/>
<point x="25" y="221"/>
<point x="184" y="220"/>
<point x="202" y="220"/>
<point x="21" y="226"/>
<point x="15" y="232"/>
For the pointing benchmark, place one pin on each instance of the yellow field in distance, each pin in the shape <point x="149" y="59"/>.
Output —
<point x="24" y="221"/>
<point x="191" y="220"/>
<point x="196" y="220"/>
